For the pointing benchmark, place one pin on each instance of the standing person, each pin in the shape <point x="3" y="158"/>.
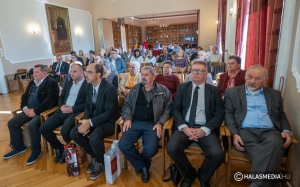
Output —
<point x="91" y="59"/>
<point x="99" y="119"/>
<point x="145" y="111"/>
<point x="60" y="26"/>
<point x="59" y="68"/>
<point x="71" y="103"/>
<point x="258" y="124"/>
<point x="150" y="59"/>
<point x="215" y="58"/>
<point x="145" y="44"/>
<point x="198" y="113"/>
<point x="117" y="62"/>
<point x="137" y="56"/>
<point x="157" y="45"/>
<point x="40" y="95"/>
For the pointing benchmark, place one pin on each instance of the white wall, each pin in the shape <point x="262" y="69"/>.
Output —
<point x="230" y="29"/>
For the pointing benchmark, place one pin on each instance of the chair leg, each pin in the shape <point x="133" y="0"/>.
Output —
<point x="228" y="172"/>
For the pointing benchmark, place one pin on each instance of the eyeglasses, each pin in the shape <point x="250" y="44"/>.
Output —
<point x="89" y="72"/>
<point x="200" y="71"/>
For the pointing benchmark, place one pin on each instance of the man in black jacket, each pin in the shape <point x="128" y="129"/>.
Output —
<point x="198" y="113"/>
<point x="100" y="114"/>
<point x="91" y="59"/>
<point x="71" y="103"/>
<point x="41" y="95"/>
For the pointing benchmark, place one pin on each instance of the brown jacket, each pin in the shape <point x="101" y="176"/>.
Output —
<point x="224" y="78"/>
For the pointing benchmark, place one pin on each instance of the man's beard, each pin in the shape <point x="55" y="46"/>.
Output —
<point x="251" y="87"/>
<point x="144" y="81"/>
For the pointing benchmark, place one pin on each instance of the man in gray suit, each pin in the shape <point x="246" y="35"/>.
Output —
<point x="258" y="124"/>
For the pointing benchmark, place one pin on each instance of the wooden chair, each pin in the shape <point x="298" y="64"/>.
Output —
<point x="61" y="79"/>
<point x="166" y="134"/>
<point x="178" y="70"/>
<point x="235" y="155"/>
<point x="23" y="81"/>
<point x="157" y="69"/>
<point x="180" y="76"/>
<point x="12" y="84"/>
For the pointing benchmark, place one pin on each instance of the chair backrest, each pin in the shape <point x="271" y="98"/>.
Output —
<point x="180" y="76"/>
<point x="157" y="69"/>
<point x="147" y="64"/>
<point x="120" y="76"/>
<point x="121" y="101"/>
<point x="177" y="70"/>
<point x="22" y="71"/>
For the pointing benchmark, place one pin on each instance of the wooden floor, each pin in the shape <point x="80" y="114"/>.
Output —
<point x="15" y="172"/>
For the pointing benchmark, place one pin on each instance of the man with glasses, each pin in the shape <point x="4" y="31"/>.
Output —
<point x="40" y="95"/>
<point x="260" y="129"/>
<point x="198" y="113"/>
<point x="91" y="59"/>
<point x="71" y="102"/>
<point x="100" y="114"/>
<point x="59" y="68"/>
<point x="78" y="58"/>
<point x="145" y="110"/>
<point x="235" y="75"/>
<point x="117" y="62"/>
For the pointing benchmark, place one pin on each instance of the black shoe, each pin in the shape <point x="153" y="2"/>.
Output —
<point x="59" y="154"/>
<point x="145" y="175"/>
<point x="97" y="171"/>
<point x="33" y="157"/>
<point x="62" y="160"/>
<point x="202" y="183"/>
<point x="90" y="167"/>
<point x="189" y="179"/>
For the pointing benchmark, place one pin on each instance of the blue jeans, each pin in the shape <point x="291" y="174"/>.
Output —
<point x="149" y="139"/>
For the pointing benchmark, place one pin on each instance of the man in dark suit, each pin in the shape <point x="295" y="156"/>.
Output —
<point x="117" y="62"/>
<point x="258" y="124"/>
<point x="40" y="95"/>
<point x="91" y="59"/>
<point x="198" y="113"/>
<point x="78" y="58"/>
<point x="100" y="114"/>
<point x="71" y="103"/>
<point x="164" y="56"/>
<point x="59" y="68"/>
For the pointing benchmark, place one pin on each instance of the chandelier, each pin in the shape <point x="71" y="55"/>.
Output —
<point x="154" y="21"/>
<point x="163" y="24"/>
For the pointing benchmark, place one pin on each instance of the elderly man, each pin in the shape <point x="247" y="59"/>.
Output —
<point x="235" y="75"/>
<point x="117" y="62"/>
<point x="260" y="129"/>
<point x="198" y="113"/>
<point x="100" y="114"/>
<point x="71" y="103"/>
<point x="59" y="68"/>
<point x="41" y="95"/>
<point x="145" y="110"/>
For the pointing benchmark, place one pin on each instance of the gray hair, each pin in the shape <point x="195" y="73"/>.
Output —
<point x="42" y="67"/>
<point x="136" y="64"/>
<point x="150" y="68"/>
<point x="257" y="66"/>
<point x="103" y="50"/>
<point x="107" y="64"/>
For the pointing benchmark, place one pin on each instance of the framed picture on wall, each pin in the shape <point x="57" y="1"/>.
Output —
<point x="59" y="29"/>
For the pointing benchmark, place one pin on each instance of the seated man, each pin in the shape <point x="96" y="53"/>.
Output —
<point x="198" y="113"/>
<point x="40" y="95"/>
<point x="164" y="56"/>
<point x="117" y="62"/>
<point x="59" y="68"/>
<point x="99" y="119"/>
<point x="78" y="58"/>
<point x="145" y="111"/>
<point x="258" y="124"/>
<point x="71" y="102"/>
<point x="235" y="75"/>
<point x="91" y="59"/>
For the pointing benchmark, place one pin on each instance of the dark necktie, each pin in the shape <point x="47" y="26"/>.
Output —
<point x="194" y="107"/>
<point x="94" y="98"/>
<point x="57" y="68"/>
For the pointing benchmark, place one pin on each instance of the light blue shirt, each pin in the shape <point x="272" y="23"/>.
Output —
<point x="97" y="87"/>
<point x="257" y="115"/>
<point x="73" y="93"/>
<point x="176" y="49"/>
<point x="200" y="111"/>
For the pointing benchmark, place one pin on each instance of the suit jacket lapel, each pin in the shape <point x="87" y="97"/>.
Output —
<point x="100" y="90"/>
<point x="268" y="98"/>
<point x="242" y="96"/>
<point x="80" y="90"/>
<point x="207" y="97"/>
<point x="188" y="95"/>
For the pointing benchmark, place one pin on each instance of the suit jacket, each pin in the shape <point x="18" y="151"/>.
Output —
<point x="120" y="65"/>
<point x="236" y="108"/>
<point x="161" y="58"/>
<point x="238" y="80"/>
<point x="80" y="60"/>
<point x="214" y="110"/>
<point x="48" y="93"/>
<point x="80" y="100"/>
<point x="106" y="107"/>
<point x="64" y="67"/>
<point x="88" y="60"/>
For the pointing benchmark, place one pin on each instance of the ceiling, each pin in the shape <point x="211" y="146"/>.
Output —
<point x="168" y="14"/>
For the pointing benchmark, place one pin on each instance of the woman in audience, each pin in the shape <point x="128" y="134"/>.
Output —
<point x="108" y="75"/>
<point x="137" y="56"/>
<point x="168" y="79"/>
<point x="102" y="54"/>
<point x="150" y="59"/>
<point x="215" y="59"/>
<point x="80" y="54"/>
<point x="130" y="79"/>
<point x="181" y="61"/>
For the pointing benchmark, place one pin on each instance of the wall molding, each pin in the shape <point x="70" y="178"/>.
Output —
<point x="296" y="56"/>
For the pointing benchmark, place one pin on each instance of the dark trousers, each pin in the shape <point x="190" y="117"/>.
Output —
<point x="16" y="135"/>
<point x="93" y="145"/>
<point x="210" y="145"/>
<point x="264" y="147"/>
<point x="129" y="138"/>
<point x="67" y="123"/>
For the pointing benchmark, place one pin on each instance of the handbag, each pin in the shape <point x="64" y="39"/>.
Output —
<point x="174" y="175"/>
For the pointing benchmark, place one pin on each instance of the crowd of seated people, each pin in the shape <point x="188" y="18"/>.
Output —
<point x="196" y="105"/>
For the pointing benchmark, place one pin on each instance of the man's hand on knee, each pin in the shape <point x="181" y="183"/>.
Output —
<point x="238" y="142"/>
<point x="288" y="138"/>
<point x="127" y="125"/>
<point x="158" y="127"/>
